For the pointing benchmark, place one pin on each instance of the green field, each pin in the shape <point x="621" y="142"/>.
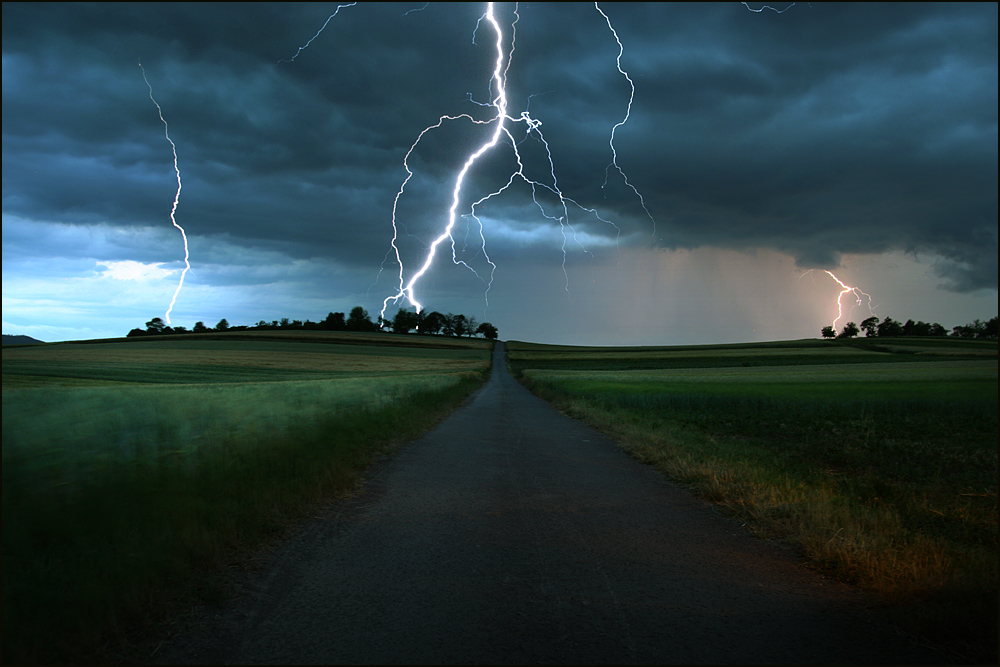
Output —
<point x="136" y="471"/>
<point x="878" y="462"/>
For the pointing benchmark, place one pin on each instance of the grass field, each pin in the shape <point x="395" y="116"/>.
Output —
<point x="878" y="462"/>
<point x="136" y="471"/>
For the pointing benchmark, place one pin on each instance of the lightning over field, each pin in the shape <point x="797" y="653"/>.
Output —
<point x="177" y="197"/>
<point x="583" y="173"/>
<point x="859" y="298"/>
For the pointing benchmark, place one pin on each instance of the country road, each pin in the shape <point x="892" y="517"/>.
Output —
<point x="513" y="534"/>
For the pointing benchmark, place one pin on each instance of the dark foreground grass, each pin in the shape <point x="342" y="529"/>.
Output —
<point x="890" y="485"/>
<point x="91" y="557"/>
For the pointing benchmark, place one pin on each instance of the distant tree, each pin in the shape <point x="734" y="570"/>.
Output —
<point x="136" y="332"/>
<point x="870" y="326"/>
<point x="471" y="324"/>
<point x="977" y="329"/>
<point x="432" y="323"/>
<point x="404" y="321"/>
<point x="911" y="328"/>
<point x="459" y="324"/>
<point x="223" y="325"/>
<point x="828" y="332"/>
<point x="970" y="330"/>
<point x="938" y="330"/>
<point x="487" y="330"/>
<point x="889" y="327"/>
<point x="334" y="322"/>
<point x="359" y="320"/>
<point x="284" y="323"/>
<point x="990" y="329"/>
<point x="155" y="326"/>
<point x="850" y="331"/>
<point x="180" y="330"/>
<point x="199" y="327"/>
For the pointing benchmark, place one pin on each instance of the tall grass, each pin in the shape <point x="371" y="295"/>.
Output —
<point x="888" y="488"/>
<point x="117" y="501"/>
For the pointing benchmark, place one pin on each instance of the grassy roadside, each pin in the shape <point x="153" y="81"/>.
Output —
<point x="120" y="501"/>
<point x="884" y="475"/>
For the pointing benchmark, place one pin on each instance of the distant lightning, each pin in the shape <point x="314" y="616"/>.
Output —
<point x="328" y="19"/>
<point x="628" y="113"/>
<point x="847" y="289"/>
<point x="532" y="127"/>
<point x="177" y="196"/>
<point x="763" y="7"/>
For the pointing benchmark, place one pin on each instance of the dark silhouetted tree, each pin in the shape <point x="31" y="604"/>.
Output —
<point x="334" y="322"/>
<point x="404" y="321"/>
<point x="199" y="327"/>
<point x="828" y="332"/>
<point x="471" y="324"/>
<point x="990" y="329"/>
<point x="870" y="326"/>
<point x="155" y="326"/>
<point x="911" y="328"/>
<point x="457" y="325"/>
<point x="359" y="320"/>
<point x="223" y="325"/>
<point x="487" y="330"/>
<point x="889" y="327"/>
<point x="432" y="323"/>
<point x="850" y="331"/>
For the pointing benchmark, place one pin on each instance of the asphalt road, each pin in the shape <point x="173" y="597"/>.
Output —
<point x="513" y="534"/>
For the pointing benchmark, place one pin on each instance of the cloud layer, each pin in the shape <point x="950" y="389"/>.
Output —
<point x="822" y="132"/>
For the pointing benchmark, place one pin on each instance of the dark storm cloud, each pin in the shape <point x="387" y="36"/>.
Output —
<point x="825" y="130"/>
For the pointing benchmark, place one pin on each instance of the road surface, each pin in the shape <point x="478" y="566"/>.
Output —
<point x="513" y="534"/>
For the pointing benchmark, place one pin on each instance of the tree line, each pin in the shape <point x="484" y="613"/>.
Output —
<point x="358" y="320"/>
<point x="891" y="328"/>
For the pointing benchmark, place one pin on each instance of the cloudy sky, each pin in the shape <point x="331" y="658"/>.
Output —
<point x="766" y="147"/>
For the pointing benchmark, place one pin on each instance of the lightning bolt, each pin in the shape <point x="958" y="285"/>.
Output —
<point x="532" y="128"/>
<point x="847" y="289"/>
<point x="628" y="113"/>
<point x="763" y="7"/>
<point x="328" y="19"/>
<point x="177" y="197"/>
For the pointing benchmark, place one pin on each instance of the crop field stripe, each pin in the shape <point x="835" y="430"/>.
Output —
<point x="879" y="463"/>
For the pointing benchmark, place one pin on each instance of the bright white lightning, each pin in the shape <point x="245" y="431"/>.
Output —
<point x="500" y="103"/>
<point x="328" y="19"/>
<point x="533" y="127"/>
<point x="847" y="289"/>
<point x="177" y="197"/>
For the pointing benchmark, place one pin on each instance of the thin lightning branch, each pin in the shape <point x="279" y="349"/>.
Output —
<point x="628" y="112"/>
<point x="177" y="196"/>
<point x="328" y="19"/>
<point x="502" y="132"/>
<point x="417" y="9"/>
<point x="763" y="7"/>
